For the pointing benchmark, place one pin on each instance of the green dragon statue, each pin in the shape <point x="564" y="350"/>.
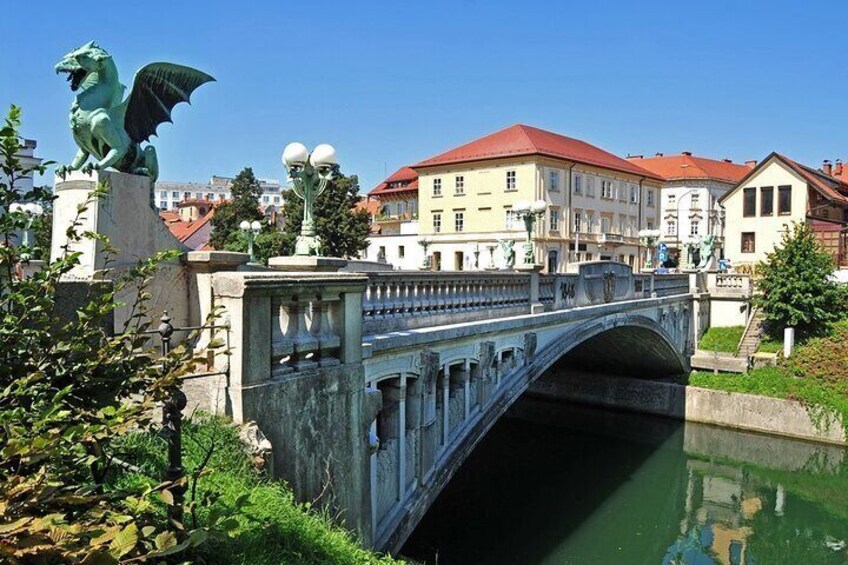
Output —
<point x="111" y="128"/>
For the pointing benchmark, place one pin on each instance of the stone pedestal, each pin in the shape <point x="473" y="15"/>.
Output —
<point x="134" y="230"/>
<point x="307" y="263"/>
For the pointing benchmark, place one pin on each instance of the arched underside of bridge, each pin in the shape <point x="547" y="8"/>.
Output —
<point x="632" y="345"/>
<point x="630" y="351"/>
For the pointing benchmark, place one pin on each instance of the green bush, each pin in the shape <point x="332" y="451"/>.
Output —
<point x="796" y="289"/>
<point x="271" y="528"/>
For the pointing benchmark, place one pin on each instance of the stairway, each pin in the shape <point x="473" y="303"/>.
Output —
<point x="752" y="336"/>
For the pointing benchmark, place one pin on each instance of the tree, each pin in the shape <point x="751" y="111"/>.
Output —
<point x="69" y="392"/>
<point x="244" y="205"/>
<point x="342" y="231"/>
<point x="796" y="288"/>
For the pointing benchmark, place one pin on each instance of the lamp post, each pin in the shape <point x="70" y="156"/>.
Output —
<point x="529" y="212"/>
<point x="649" y="239"/>
<point x="309" y="175"/>
<point x="252" y="230"/>
<point x="32" y="211"/>
<point x="476" y="256"/>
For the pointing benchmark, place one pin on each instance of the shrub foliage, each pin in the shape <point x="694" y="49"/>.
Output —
<point x="795" y="285"/>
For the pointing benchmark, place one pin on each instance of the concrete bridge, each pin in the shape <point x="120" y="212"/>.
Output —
<point x="373" y="388"/>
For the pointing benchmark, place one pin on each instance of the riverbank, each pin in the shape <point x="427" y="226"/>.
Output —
<point x="739" y="410"/>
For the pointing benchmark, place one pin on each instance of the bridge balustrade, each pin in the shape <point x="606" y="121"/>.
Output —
<point x="407" y="300"/>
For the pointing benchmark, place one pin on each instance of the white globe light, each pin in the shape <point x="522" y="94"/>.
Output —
<point x="540" y="206"/>
<point x="295" y="153"/>
<point x="521" y="206"/>
<point x="255" y="225"/>
<point x="324" y="154"/>
<point x="16" y="207"/>
<point x="37" y="209"/>
<point x="245" y="225"/>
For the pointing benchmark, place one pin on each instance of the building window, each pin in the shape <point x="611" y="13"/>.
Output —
<point x="459" y="183"/>
<point x="748" y="242"/>
<point x="510" y="180"/>
<point x="590" y="186"/>
<point x="163" y="194"/>
<point x="578" y="221"/>
<point x="694" y="226"/>
<point x="198" y="195"/>
<point x="175" y="195"/>
<point x="381" y="254"/>
<point x="553" y="261"/>
<point x="672" y="199"/>
<point x="605" y="225"/>
<point x="163" y="205"/>
<point x="784" y="200"/>
<point x="276" y="199"/>
<point x="766" y="201"/>
<point x="649" y="224"/>
<point x="401" y="252"/>
<point x="186" y="195"/>
<point x="590" y="222"/>
<point x="459" y="221"/>
<point x="265" y="199"/>
<point x="621" y="225"/>
<point x="554" y="219"/>
<point x="672" y="227"/>
<point x="650" y="197"/>
<point x="634" y="194"/>
<point x="553" y="181"/>
<point x="606" y="189"/>
<point x="578" y="184"/>
<point x="437" y="187"/>
<point x="695" y="202"/>
<point x="512" y="222"/>
<point x="749" y="202"/>
<point x="622" y="192"/>
<point x="437" y="223"/>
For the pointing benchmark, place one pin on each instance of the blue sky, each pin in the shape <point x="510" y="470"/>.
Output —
<point x="391" y="83"/>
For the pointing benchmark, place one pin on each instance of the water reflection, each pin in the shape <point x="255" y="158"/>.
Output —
<point x="571" y="485"/>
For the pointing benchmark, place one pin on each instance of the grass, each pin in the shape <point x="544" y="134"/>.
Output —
<point x="768" y="345"/>
<point x="722" y="339"/>
<point x="272" y="528"/>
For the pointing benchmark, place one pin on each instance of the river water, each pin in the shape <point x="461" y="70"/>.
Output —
<point x="562" y="484"/>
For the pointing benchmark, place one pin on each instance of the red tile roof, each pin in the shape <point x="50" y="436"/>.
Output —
<point x="370" y="205"/>
<point x="184" y="230"/>
<point x="688" y="166"/>
<point x="521" y="140"/>
<point x="405" y="175"/>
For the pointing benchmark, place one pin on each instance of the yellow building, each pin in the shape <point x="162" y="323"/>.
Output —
<point x="777" y="192"/>
<point x="597" y="202"/>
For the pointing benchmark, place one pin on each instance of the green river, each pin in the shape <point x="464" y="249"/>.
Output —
<point x="555" y="483"/>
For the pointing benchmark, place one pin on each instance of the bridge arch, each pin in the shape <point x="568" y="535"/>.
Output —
<point x="663" y="354"/>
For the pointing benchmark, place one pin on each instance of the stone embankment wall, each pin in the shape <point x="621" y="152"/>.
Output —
<point x="731" y="409"/>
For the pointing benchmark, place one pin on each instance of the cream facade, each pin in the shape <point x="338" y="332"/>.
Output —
<point x="764" y="205"/>
<point x="593" y="213"/>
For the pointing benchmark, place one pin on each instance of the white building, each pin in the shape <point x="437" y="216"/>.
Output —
<point x="169" y="193"/>
<point x="27" y="157"/>
<point x="689" y="201"/>
<point x="393" y="206"/>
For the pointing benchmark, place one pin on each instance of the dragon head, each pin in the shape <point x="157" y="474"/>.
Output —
<point x="82" y="63"/>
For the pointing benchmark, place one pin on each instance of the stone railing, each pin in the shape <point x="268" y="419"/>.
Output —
<point x="406" y="300"/>
<point x="289" y="322"/>
<point x="730" y="284"/>
<point x="669" y="285"/>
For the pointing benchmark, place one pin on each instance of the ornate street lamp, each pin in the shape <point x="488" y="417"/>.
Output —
<point x="425" y="264"/>
<point x="309" y="175"/>
<point x="649" y="239"/>
<point x="252" y="230"/>
<point x="32" y="211"/>
<point x="529" y="212"/>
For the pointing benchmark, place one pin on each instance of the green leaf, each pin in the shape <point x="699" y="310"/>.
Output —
<point x="124" y="542"/>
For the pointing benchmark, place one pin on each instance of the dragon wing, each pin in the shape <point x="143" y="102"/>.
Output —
<point x="157" y="88"/>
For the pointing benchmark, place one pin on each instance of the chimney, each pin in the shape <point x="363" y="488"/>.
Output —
<point x="751" y="164"/>
<point x="629" y="156"/>
<point x="658" y="155"/>
<point x="727" y="160"/>
<point x="687" y="153"/>
<point x="826" y="167"/>
<point x="837" y="170"/>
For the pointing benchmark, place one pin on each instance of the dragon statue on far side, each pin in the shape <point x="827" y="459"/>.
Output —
<point x="111" y="128"/>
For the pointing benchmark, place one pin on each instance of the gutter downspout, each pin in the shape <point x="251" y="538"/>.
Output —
<point x="638" y="239"/>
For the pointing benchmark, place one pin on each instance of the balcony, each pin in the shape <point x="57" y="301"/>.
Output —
<point x="392" y="218"/>
<point x="611" y="239"/>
